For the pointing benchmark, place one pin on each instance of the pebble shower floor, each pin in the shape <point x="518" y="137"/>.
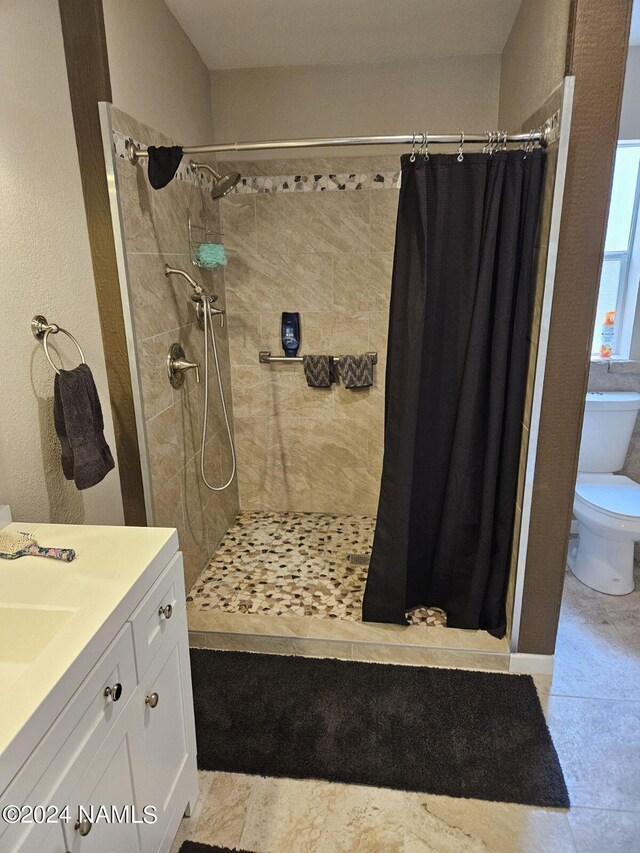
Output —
<point x="282" y="563"/>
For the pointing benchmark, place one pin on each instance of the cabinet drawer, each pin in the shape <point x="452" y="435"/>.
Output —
<point x="153" y="618"/>
<point x="53" y="769"/>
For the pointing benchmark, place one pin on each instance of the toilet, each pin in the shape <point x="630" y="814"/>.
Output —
<point x="606" y="505"/>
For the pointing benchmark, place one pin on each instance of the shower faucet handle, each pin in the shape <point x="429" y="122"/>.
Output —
<point x="188" y="365"/>
<point x="215" y="312"/>
<point x="219" y="312"/>
<point x="177" y="365"/>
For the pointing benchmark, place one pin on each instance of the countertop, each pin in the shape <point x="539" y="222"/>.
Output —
<point x="65" y="614"/>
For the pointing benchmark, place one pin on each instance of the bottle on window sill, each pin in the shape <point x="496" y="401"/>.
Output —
<point x="608" y="333"/>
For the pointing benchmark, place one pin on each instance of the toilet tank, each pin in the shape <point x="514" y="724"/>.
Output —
<point x="609" y="419"/>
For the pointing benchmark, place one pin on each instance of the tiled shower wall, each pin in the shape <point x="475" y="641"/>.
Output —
<point x="155" y="233"/>
<point x="328" y="255"/>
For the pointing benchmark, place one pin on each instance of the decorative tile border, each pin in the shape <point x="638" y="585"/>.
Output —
<point x="318" y="183"/>
<point x="276" y="183"/>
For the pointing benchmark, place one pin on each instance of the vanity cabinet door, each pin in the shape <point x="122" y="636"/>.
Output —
<point x="109" y="783"/>
<point x="53" y="842"/>
<point x="45" y="838"/>
<point x="58" y="763"/>
<point x="169" y="777"/>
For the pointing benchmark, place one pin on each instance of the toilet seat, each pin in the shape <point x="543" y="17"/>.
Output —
<point x="611" y="494"/>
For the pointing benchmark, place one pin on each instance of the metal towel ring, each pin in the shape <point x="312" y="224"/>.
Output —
<point x="41" y="330"/>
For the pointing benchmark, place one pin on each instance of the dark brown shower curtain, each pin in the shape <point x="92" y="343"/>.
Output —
<point x="459" y="333"/>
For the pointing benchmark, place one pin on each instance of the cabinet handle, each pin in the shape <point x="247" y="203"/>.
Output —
<point x="167" y="611"/>
<point x="83" y="827"/>
<point x="113" y="693"/>
<point x="152" y="700"/>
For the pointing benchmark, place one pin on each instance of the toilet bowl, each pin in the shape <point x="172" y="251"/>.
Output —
<point x="606" y="505"/>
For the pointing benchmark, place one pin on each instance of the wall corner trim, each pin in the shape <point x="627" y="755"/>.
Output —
<point x="87" y="63"/>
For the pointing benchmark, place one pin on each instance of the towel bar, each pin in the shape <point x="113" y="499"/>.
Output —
<point x="265" y="357"/>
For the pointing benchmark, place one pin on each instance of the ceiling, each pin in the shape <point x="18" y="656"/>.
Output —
<point x="258" y="33"/>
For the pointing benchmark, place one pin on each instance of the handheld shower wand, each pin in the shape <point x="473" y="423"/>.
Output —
<point x="204" y="302"/>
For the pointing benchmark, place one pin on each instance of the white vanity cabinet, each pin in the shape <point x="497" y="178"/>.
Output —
<point x="124" y="742"/>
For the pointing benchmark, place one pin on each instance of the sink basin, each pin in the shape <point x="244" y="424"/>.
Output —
<point x="25" y="632"/>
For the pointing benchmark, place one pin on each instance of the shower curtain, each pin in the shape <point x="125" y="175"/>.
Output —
<point x="459" y="333"/>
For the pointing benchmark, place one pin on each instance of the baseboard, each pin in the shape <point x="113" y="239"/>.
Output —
<point x="5" y="515"/>
<point x="531" y="664"/>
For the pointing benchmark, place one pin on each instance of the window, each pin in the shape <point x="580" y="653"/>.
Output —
<point x="620" y="267"/>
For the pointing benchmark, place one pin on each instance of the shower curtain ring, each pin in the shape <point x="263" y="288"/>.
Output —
<point x="423" y="140"/>
<point x="413" y="149"/>
<point x="426" y="145"/>
<point x="461" y="148"/>
<point x="528" y="145"/>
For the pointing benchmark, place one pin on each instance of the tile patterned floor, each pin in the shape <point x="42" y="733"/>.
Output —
<point x="592" y="705"/>
<point x="290" y="563"/>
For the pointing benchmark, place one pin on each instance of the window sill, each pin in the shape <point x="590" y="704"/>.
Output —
<point x="614" y="365"/>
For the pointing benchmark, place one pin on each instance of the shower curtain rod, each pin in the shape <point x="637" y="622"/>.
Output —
<point x="497" y="137"/>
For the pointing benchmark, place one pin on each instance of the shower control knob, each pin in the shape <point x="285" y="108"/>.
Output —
<point x="177" y="365"/>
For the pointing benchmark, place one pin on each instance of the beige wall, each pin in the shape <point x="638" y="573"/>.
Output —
<point x="630" y="116"/>
<point x="533" y="59"/>
<point x="156" y="73"/>
<point x="46" y="269"/>
<point x="438" y="94"/>
<point x="155" y="233"/>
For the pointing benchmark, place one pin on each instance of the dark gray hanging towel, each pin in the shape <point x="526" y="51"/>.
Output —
<point x="318" y="370"/>
<point x="163" y="164"/>
<point x="77" y="413"/>
<point x="356" y="371"/>
<point x="459" y="334"/>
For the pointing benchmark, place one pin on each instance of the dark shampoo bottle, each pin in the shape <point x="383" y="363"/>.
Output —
<point x="290" y="333"/>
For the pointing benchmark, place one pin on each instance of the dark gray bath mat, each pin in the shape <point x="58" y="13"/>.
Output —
<point x="439" y="731"/>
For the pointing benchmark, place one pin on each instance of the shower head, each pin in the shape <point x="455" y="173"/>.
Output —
<point x="222" y="184"/>
<point x="225" y="184"/>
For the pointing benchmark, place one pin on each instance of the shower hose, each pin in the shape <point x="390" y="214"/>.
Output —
<point x="208" y="322"/>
